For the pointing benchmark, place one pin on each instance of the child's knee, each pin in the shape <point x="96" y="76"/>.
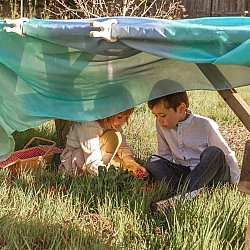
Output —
<point x="110" y="141"/>
<point x="212" y="151"/>
<point x="153" y="159"/>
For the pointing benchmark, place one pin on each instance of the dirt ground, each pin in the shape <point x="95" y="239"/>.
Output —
<point x="236" y="136"/>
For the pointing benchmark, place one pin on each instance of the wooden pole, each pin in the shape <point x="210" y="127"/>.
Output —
<point x="230" y="95"/>
<point x="244" y="184"/>
<point x="242" y="110"/>
<point x="62" y="129"/>
<point x="247" y="238"/>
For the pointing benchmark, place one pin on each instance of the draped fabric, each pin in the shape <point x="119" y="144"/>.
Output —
<point x="58" y="71"/>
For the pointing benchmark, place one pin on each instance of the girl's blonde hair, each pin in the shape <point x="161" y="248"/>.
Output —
<point x="108" y="123"/>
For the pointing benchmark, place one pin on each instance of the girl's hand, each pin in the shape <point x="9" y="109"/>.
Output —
<point x="141" y="172"/>
<point x="130" y="164"/>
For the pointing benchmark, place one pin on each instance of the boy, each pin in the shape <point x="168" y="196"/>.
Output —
<point x="191" y="151"/>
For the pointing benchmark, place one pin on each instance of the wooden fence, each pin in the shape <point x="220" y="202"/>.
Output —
<point x="207" y="8"/>
<point x="194" y="8"/>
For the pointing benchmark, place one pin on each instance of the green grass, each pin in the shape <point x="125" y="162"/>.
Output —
<point x="112" y="211"/>
<point x="211" y="104"/>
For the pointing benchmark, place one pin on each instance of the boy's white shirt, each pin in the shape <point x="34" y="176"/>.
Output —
<point x="86" y="135"/>
<point x="185" y="143"/>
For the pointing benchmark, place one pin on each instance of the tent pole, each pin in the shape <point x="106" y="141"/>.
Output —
<point x="242" y="110"/>
<point x="230" y="95"/>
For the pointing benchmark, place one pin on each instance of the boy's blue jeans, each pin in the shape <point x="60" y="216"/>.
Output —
<point x="212" y="170"/>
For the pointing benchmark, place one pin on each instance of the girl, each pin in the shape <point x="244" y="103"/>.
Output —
<point x="98" y="143"/>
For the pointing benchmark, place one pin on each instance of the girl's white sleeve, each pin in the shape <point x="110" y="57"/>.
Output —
<point x="89" y="134"/>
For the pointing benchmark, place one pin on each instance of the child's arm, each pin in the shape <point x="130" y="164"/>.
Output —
<point x="163" y="147"/>
<point x="125" y="153"/>
<point x="216" y="139"/>
<point x="129" y="163"/>
<point x="88" y="137"/>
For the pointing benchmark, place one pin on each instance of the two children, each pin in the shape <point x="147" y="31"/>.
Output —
<point x="191" y="151"/>
<point x="98" y="143"/>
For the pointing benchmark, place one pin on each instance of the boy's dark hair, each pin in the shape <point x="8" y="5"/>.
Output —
<point x="170" y="101"/>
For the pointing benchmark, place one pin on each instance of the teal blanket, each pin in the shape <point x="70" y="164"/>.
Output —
<point x="58" y="71"/>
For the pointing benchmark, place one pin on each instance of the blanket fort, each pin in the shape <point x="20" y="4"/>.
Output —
<point x="56" y="70"/>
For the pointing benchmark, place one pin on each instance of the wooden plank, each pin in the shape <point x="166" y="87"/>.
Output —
<point x="244" y="184"/>
<point x="247" y="238"/>
<point x="242" y="110"/>
<point x="230" y="95"/>
<point x="237" y="104"/>
<point x="201" y="8"/>
<point x="62" y="129"/>
<point x="228" y="7"/>
<point x="197" y="8"/>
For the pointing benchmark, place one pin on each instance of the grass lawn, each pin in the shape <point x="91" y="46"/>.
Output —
<point x="50" y="210"/>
